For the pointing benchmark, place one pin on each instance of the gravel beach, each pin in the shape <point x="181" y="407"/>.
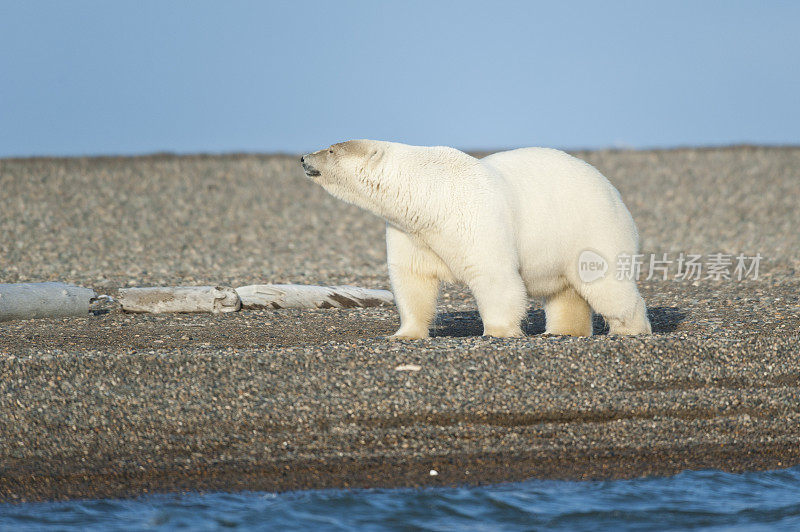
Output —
<point x="121" y="404"/>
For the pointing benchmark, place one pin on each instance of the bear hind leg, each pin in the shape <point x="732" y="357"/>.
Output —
<point x="635" y="322"/>
<point x="620" y="304"/>
<point x="567" y="313"/>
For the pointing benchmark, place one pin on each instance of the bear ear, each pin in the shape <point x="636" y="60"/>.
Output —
<point x="360" y="148"/>
<point x="375" y="155"/>
<point x="341" y="146"/>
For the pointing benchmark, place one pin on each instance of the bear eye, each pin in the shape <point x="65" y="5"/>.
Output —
<point x="330" y="151"/>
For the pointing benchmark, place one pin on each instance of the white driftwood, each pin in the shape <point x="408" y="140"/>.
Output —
<point x="25" y="301"/>
<point x="156" y="300"/>
<point x="276" y="296"/>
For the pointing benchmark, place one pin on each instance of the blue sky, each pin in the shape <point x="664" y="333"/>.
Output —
<point x="106" y="77"/>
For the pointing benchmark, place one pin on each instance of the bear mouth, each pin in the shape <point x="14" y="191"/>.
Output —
<point x="310" y="170"/>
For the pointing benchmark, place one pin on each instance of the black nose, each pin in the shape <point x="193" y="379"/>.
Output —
<point x="302" y="159"/>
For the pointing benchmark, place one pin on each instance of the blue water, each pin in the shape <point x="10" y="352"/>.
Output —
<point x="700" y="500"/>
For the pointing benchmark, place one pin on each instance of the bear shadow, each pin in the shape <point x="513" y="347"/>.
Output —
<point x="468" y="323"/>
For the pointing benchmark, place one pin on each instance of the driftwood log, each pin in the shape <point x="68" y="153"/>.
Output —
<point x="156" y="300"/>
<point x="275" y="296"/>
<point x="24" y="301"/>
<point x="51" y="300"/>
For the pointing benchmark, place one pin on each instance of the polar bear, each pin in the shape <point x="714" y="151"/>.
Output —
<point x="511" y="225"/>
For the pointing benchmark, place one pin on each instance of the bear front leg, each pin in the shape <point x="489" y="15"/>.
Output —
<point x="412" y="271"/>
<point x="502" y="302"/>
<point x="415" y="297"/>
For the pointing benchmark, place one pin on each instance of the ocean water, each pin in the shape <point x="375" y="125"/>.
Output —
<point x="699" y="500"/>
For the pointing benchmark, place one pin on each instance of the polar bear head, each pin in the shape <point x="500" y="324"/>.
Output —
<point x="343" y="162"/>
<point x="398" y="182"/>
<point x="356" y="171"/>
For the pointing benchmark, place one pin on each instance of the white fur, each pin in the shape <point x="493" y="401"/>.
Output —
<point x="511" y="225"/>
